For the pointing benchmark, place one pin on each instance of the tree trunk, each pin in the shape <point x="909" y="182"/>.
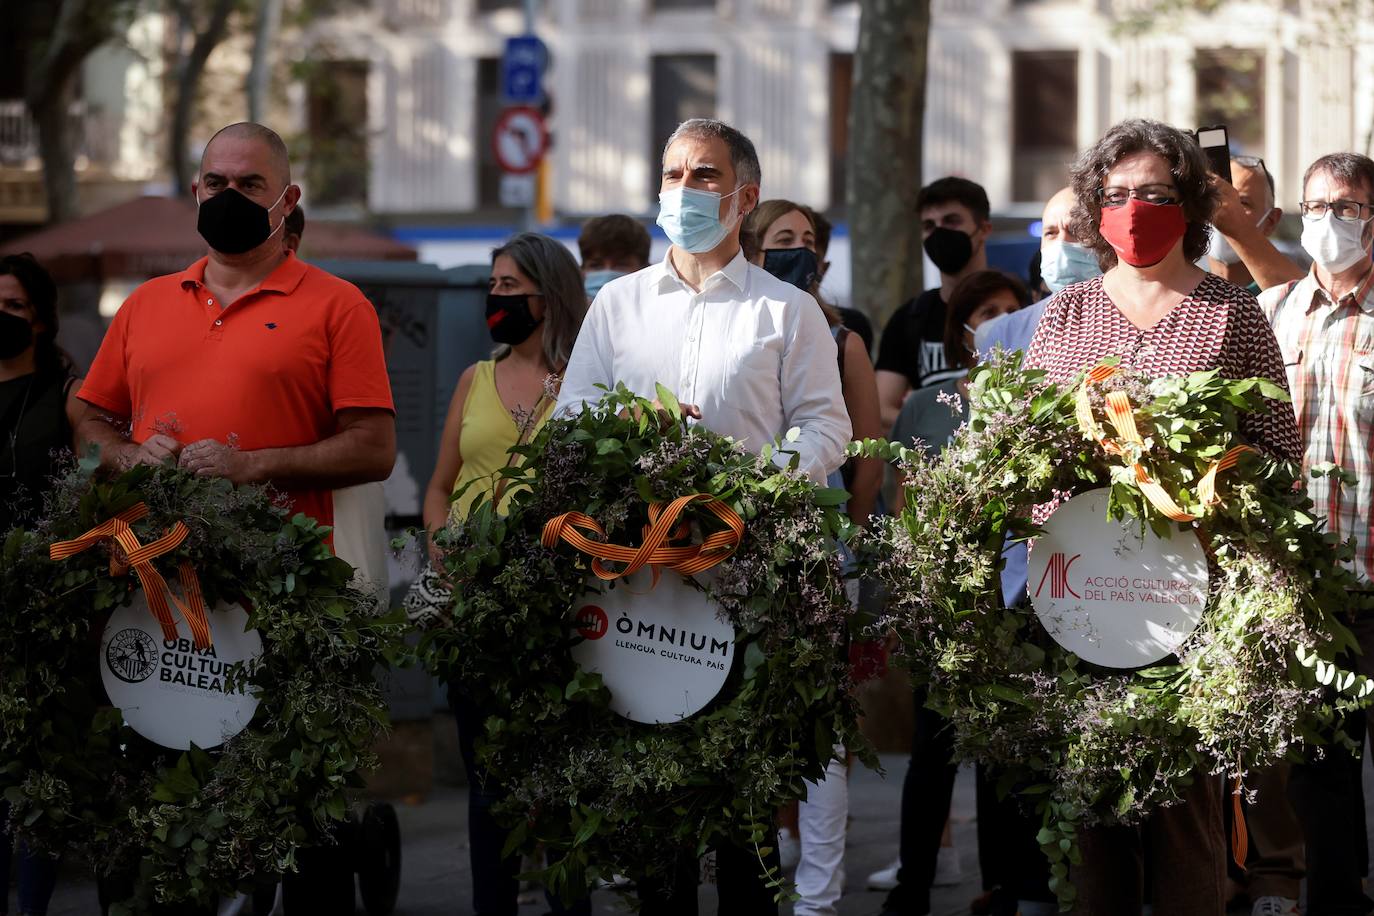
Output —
<point x="61" y="36"/>
<point x="260" y="73"/>
<point x="57" y="150"/>
<point x="187" y="84"/>
<point x="885" y="154"/>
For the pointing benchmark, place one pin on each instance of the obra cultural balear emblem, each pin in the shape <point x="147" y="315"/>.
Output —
<point x="172" y="690"/>
<point x="660" y="645"/>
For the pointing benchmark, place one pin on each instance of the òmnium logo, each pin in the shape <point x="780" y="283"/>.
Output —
<point x="1057" y="571"/>
<point x="662" y="651"/>
<point x="592" y="622"/>
<point x="131" y="655"/>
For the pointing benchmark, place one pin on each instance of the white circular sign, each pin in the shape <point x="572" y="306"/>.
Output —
<point x="520" y="139"/>
<point x="663" y="653"/>
<point x="1109" y="594"/>
<point x="170" y="692"/>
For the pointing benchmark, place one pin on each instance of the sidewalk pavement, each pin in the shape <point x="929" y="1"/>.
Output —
<point x="436" y="880"/>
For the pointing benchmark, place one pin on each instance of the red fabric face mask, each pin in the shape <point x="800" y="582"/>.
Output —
<point x="1143" y="233"/>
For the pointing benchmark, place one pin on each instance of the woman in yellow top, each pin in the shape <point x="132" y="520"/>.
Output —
<point x="535" y="307"/>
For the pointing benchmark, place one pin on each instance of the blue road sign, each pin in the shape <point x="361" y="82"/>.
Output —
<point x="522" y="70"/>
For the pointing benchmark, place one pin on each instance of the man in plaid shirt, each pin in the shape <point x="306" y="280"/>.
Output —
<point x="1325" y="327"/>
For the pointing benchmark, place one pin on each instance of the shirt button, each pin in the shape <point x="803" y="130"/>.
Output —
<point x="209" y="301"/>
<point x="219" y="321"/>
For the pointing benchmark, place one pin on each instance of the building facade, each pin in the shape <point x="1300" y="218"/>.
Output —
<point x="392" y="107"/>
<point x="1015" y="88"/>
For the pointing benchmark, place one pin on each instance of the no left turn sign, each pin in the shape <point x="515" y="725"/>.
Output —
<point x="520" y="140"/>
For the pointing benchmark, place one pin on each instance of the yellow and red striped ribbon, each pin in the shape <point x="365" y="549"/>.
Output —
<point x="139" y="557"/>
<point x="655" y="550"/>
<point x="1122" y="415"/>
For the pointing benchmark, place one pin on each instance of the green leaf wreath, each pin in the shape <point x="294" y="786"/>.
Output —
<point x="190" y="826"/>
<point x="1090" y="745"/>
<point x="604" y="794"/>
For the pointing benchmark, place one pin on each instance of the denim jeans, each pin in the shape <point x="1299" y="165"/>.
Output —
<point x="494" y="883"/>
<point x="37" y="873"/>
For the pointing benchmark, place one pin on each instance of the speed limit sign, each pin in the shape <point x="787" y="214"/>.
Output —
<point x="520" y="140"/>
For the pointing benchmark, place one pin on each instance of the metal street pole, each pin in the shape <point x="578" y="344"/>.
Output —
<point x="531" y="208"/>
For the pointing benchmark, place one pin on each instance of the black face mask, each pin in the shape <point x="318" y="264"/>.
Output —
<point x="797" y="266"/>
<point x="509" y="319"/>
<point x="949" y="249"/>
<point x="232" y="224"/>
<point x="16" y="335"/>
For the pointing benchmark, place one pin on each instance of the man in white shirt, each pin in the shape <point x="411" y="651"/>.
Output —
<point x="746" y="354"/>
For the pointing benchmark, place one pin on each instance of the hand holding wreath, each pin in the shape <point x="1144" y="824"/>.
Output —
<point x="605" y="794"/>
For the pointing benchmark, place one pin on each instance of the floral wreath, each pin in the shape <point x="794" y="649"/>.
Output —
<point x="1083" y="744"/>
<point x="193" y="825"/>
<point x="601" y="793"/>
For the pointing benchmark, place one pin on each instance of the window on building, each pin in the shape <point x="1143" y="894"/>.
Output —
<point x="1230" y="91"/>
<point x="337" y="114"/>
<point x="665" y="6"/>
<point x="684" y="86"/>
<point x="841" y="91"/>
<point x="492" y="6"/>
<point x="1044" y="122"/>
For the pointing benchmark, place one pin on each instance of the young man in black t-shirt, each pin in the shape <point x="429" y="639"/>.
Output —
<point x="955" y="226"/>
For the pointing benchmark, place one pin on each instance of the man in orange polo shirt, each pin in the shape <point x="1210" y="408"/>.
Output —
<point x="250" y="364"/>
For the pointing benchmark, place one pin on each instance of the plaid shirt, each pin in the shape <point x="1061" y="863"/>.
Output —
<point x="1328" y="352"/>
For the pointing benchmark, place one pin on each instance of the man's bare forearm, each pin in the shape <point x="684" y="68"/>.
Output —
<point x="347" y="458"/>
<point x="104" y="432"/>
<point x="1268" y="266"/>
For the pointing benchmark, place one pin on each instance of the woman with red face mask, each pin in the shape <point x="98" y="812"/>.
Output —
<point x="1144" y="204"/>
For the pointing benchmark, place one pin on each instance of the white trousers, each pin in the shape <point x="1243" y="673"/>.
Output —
<point x="821" y="821"/>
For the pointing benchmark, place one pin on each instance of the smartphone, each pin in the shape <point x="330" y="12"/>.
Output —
<point x="1216" y="145"/>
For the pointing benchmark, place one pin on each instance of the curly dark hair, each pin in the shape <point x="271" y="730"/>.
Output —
<point x="1187" y="164"/>
<point x="972" y="292"/>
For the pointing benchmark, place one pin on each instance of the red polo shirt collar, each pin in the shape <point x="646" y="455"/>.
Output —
<point x="284" y="278"/>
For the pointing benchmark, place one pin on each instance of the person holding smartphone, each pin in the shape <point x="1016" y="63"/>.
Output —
<point x="1246" y="216"/>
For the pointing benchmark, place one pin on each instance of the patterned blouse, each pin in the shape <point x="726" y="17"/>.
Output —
<point x="1218" y="326"/>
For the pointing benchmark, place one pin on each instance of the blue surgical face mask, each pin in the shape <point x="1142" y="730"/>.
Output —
<point x="1066" y="263"/>
<point x="598" y="278"/>
<point x="691" y="218"/>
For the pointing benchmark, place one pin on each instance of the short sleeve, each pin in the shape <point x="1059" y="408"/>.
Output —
<point x="897" y="352"/>
<point x="357" y="365"/>
<point x="106" y="385"/>
<point x="1253" y="352"/>
<point x="1046" y="331"/>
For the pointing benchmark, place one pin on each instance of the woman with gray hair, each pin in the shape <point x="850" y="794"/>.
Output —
<point x="1144" y="205"/>
<point x="535" y="307"/>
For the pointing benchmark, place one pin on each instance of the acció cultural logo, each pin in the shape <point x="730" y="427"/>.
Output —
<point x="1057" y="572"/>
<point x="131" y="655"/>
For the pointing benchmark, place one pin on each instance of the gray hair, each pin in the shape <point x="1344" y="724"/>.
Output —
<point x="743" y="158"/>
<point x="550" y="266"/>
